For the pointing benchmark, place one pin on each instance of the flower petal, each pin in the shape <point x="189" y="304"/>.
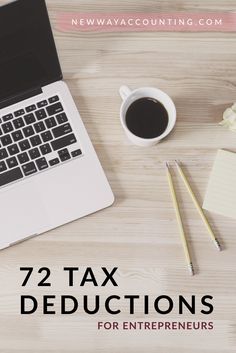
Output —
<point x="234" y="107"/>
<point x="227" y="113"/>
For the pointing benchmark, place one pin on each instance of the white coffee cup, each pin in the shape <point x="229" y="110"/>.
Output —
<point x="129" y="97"/>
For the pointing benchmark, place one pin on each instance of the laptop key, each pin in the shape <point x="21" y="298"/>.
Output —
<point x="63" y="142"/>
<point x="42" y="163"/>
<point x="35" y="140"/>
<point x="34" y="153"/>
<point x="19" y="113"/>
<point x="76" y="153"/>
<point x="0" y="132"/>
<point x="53" y="99"/>
<point x="54" y="161"/>
<point x="41" y="114"/>
<point x="3" y="167"/>
<point x="10" y="176"/>
<point x="64" y="155"/>
<point x="12" y="162"/>
<point x="23" y="158"/>
<point x="3" y="153"/>
<point x="24" y="145"/>
<point x="42" y="104"/>
<point x="50" y="122"/>
<point x="7" y="117"/>
<point x="61" y="130"/>
<point x="18" y="123"/>
<point x="29" y="119"/>
<point x="61" y="118"/>
<point x="45" y="149"/>
<point x="30" y="108"/>
<point x="39" y="127"/>
<point x="17" y="136"/>
<point x="7" y="127"/>
<point x="13" y="149"/>
<point x="29" y="168"/>
<point x="6" y="140"/>
<point x="54" y="109"/>
<point x="28" y="131"/>
<point x="46" y="136"/>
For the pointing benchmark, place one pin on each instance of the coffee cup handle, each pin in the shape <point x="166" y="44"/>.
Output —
<point x="124" y="92"/>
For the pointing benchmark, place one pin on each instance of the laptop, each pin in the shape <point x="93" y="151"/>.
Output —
<point x="49" y="172"/>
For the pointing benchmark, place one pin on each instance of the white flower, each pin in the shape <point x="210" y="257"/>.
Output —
<point x="229" y="118"/>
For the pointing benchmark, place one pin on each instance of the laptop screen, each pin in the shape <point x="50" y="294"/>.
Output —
<point x="28" y="57"/>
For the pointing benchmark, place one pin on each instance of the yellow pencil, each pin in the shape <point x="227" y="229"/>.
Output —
<point x="198" y="207"/>
<point x="179" y="221"/>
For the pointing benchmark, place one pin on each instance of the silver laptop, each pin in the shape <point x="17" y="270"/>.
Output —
<point x="49" y="172"/>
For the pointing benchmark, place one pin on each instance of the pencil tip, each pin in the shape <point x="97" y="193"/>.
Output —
<point x="167" y="165"/>
<point x="217" y="244"/>
<point x="191" y="269"/>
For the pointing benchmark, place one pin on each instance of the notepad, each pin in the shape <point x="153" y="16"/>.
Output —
<point x="221" y="191"/>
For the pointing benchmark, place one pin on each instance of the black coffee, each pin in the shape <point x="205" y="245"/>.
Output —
<point x="147" y="118"/>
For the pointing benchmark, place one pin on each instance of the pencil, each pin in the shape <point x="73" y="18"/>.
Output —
<point x="179" y="221"/>
<point x="198" y="207"/>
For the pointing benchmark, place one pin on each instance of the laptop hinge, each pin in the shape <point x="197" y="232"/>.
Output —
<point x="20" y="97"/>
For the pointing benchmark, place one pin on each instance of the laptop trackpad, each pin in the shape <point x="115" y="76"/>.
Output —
<point x="22" y="213"/>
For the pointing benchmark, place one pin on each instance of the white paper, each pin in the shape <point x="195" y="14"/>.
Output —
<point x="221" y="192"/>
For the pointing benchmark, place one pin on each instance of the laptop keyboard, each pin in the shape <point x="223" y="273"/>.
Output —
<point x="35" y="138"/>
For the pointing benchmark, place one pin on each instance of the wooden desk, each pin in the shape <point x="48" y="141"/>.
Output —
<point x="139" y="233"/>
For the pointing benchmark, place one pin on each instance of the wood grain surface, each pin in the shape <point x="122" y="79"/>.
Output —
<point x="139" y="232"/>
